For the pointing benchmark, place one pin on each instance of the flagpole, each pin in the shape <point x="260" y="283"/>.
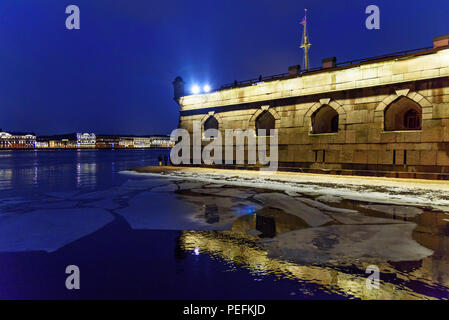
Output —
<point x="305" y="43"/>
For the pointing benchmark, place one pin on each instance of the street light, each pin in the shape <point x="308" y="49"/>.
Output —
<point x="206" y="88"/>
<point x="195" y="89"/>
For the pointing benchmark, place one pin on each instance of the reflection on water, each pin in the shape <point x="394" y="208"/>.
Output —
<point x="52" y="199"/>
<point x="281" y="236"/>
<point x="5" y="178"/>
<point x="61" y="170"/>
<point x="85" y="175"/>
<point x="427" y="278"/>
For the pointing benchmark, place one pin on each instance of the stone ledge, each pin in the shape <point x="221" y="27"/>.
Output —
<point x="322" y="134"/>
<point x="401" y="131"/>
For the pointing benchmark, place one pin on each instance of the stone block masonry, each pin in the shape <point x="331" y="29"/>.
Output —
<point x="382" y="117"/>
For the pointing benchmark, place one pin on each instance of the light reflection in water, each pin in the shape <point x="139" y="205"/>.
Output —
<point x="247" y="209"/>
<point x="5" y="178"/>
<point x="399" y="280"/>
<point x="224" y="245"/>
<point x="85" y="175"/>
<point x="65" y="170"/>
<point x="53" y="171"/>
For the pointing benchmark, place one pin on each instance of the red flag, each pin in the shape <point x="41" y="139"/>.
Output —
<point x="304" y="20"/>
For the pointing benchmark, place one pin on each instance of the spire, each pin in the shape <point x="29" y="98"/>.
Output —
<point x="305" y="44"/>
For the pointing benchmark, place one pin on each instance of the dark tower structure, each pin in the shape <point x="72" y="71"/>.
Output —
<point x="178" y="88"/>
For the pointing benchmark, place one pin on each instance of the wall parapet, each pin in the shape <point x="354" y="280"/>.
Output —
<point x="396" y="71"/>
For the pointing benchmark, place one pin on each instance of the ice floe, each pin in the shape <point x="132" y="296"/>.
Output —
<point x="219" y="213"/>
<point x="399" y="211"/>
<point x="49" y="230"/>
<point x="329" y="199"/>
<point x="227" y="192"/>
<point x="347" y="244"/>
<point x="387" y="191"/>
<point x="214" y="185"/>
<point x="108" y="204"/>
<point x="101" y="194"/>
<point x="54" y="204"/>
<point x="189" y="185"/>
<point x="167" y="188"/>
<point x="143" y="184"/>
<point x="358" y="218"/>
<point x="313" y="217"/>
<point x="325" y="207"/>
<point x="160" y="211"/>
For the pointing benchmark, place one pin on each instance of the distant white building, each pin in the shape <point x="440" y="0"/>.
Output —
<point x="126" y="142"/>
<point x="86" y="140"/>
<point x="17" y="141"/>
<point x="161" y="142"/>
<point x="42" y="144"/>
<point x="142" y="142"/>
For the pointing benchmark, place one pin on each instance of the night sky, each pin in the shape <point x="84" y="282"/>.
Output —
<point x="114" y="74"/>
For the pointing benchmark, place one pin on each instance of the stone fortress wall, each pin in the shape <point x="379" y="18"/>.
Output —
<point x="384" y="117"/>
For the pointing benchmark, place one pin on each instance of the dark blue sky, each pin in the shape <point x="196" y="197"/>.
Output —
<point x="114" y="75"/>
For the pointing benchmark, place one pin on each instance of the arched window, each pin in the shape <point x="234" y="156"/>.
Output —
<point x="403" y="114"/>
<point x="265" y="121"/>
<point x="211" y="123"/>
<point x="325" y="120"/>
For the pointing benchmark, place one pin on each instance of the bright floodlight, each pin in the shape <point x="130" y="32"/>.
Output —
<point x="195" y="89"/>
<point x="206" y="88"/>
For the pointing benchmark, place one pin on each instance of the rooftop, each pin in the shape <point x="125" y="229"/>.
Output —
<point x="340" y="65"/>
<point x="393" y="68"/>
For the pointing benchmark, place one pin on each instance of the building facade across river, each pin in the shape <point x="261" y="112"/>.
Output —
<point x="82" y="141"/>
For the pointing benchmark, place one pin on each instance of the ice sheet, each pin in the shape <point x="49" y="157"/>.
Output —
<point x="398" y="211"/>
<point x="162" y="211"/>
<point x="49" y="230"/>
<point x="311" y="216"/>
<point x="347" y="244"/>
<point x="388" y="191"/>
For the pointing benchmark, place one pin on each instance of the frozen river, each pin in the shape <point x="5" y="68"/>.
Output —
<point x="200" y="237"/>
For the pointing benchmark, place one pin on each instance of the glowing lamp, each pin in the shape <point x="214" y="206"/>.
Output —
<point x="195" y="89"/>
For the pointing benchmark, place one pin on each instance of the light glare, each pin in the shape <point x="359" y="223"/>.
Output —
<point x="195" y="89"/>
<point x="206" y="88"/>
